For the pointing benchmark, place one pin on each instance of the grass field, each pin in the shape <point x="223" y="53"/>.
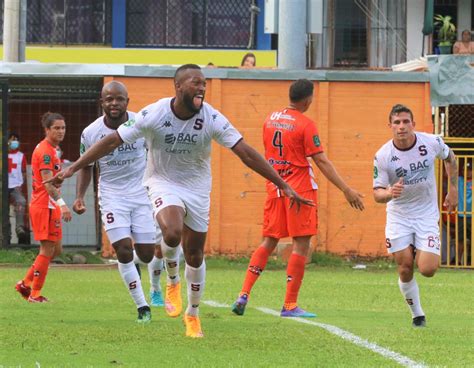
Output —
<point x="90" y="322"/>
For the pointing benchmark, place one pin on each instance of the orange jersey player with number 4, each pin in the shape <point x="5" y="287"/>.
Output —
<point x="46" y="208"/>
<point x="290" y="138"/>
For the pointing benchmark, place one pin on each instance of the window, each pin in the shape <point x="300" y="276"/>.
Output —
<point x="350" y="33"/>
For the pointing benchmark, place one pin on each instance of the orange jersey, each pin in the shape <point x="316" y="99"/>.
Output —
<point x="44" y="158"/>
<point x="289" y="138"/>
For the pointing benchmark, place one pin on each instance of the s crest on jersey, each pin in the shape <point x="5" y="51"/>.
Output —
<point x="423" y="151"/>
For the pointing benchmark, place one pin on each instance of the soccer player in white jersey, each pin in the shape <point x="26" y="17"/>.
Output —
<point x="123" y="200"/>
<point x="404" y="178"/>
<point x="179" y="132"/>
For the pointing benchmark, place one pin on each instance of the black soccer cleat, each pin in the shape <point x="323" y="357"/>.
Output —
<point x="419" y="321"/>
<point x="144" y="314"/>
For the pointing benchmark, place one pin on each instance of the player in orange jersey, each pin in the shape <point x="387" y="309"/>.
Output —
<point x="46" y="207"/>
<point x="290" y="138"/>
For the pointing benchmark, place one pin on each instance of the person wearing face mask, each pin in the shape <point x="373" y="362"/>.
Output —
<point x="16" y="181"/>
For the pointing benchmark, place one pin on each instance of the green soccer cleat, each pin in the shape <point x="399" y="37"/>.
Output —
<point x="144" y="314"/>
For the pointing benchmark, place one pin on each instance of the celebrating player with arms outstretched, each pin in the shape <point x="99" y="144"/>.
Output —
<point x="179" y="132"/>
<point x="404" y="179"/>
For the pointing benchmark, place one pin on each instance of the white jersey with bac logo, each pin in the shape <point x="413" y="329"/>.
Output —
<point x="179" y="150"/>
<point x="121" y="171"/>
<point x="417" y="167"/>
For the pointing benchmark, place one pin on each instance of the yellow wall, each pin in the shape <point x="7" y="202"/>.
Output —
<point x="352" y="119"/>
<point x="106" y="55"/>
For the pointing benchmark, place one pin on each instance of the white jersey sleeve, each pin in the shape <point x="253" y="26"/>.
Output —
<point x="438" y="145"/>
<point x="381" y="179"/>
<point x="223" y="131"/>
<point x="135" y="128"/>
<point x="85" y="143"/>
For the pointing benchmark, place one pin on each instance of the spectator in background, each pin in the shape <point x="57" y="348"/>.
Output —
<point x="211" y="65"/>
<point x="16" y="183"/>
<point x="464" y="211"/>
<point x="465" y="46"/>
<point x="249" y="61"/>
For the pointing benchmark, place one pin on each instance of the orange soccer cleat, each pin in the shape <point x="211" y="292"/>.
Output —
<point x="193" y="326"/>
<point x="173" y="301"/>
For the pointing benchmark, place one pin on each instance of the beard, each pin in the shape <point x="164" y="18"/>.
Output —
<point x="188" y="101"/>
<point x="115" y="116"/>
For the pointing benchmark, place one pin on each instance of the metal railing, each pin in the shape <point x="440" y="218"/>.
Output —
<point x="457" y="239"/>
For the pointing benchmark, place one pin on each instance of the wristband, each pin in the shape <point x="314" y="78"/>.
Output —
<point x="60" y="202"/>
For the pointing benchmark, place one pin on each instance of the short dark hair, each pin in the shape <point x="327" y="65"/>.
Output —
<point x="397" y="109"/>
<point x="13" y="134"/>
<point x="48" y="119"/>
<point x="185" y="67"/>
<point x="301" y="89"/>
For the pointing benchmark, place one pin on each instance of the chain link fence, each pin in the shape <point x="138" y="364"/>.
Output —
<point x="68" y="22"/>
<point x="76" y="98"/>
<point x="188" y="23"/>
<point x="460" y="118"/>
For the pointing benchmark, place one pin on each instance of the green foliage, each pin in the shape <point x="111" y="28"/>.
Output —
<point x="90" y="321"/>
<point x="446" y="31"/>
<point x="321" y="259"/>
<point x="18" y="256"/>
<point x="27" y="256"/>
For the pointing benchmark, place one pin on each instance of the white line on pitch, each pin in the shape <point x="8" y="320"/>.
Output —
<point x="346" y="335"/>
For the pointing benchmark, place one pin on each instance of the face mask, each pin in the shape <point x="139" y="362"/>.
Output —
<point x="14" y="145"/>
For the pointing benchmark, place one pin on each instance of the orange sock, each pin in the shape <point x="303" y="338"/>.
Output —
<point x="39" y="274"/>
<point x="28" y="279"/>
<point x="295" y="273"/>
<point x="256" y="266"/>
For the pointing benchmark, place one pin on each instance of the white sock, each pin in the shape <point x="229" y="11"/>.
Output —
<point x="136" y="258"/>
<point x="154" y="270"/>
<point x="195" y="279"/>
<point x="412" y="296"/>
<point x="171" y="257"/>
<point x="130" y="276"/>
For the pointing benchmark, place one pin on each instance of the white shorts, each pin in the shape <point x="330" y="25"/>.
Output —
<point x="132" y="215"/>
<point x="423" y="234"/>
<point x="195" y="205"/>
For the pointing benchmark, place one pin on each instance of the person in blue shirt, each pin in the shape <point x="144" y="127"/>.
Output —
<point x="464" y="212"/>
